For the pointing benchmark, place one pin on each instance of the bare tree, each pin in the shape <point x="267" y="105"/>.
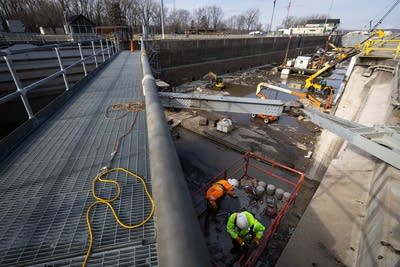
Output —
<point x="215" y="14"/>
<point x="114" y="14"/>
<point x="178" y="20"/>
<point x="251" y="18"/>
<point x="201" y="18"/>
<point x="291" y="22"/>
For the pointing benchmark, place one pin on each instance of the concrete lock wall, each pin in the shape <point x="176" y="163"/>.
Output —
<point x="380" y="243"/>
<point x="186" y="60"/>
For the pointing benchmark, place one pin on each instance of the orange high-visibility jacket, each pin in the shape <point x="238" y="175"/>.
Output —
<point x="217" y="191"/>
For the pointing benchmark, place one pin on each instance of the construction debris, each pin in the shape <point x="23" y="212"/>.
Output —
<point x="225" y="125"/>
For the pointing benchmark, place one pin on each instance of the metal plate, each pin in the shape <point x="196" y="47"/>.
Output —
<point x="45" y="182"/>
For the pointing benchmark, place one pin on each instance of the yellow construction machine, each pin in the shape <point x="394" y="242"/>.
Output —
<point x="302" y="95"/>
<point x="311" y="98"/>
<point x="339" y="55"/>
<point x="216" y="81"/>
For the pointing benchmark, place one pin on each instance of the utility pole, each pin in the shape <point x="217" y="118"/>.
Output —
<point x="327" y="16"/>
<point x="162" y="20"/>
<point x="272" y="17"/>
<point x="288" y="10"/>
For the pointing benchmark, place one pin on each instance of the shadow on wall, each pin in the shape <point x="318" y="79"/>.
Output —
<point x="349" y="222"/>
<point x="381" y="245"/>
<point x="302" y="250"/>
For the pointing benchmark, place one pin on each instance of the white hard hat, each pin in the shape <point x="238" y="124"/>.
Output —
<point x="241" y="221"/>
<point x="233" y="182"/>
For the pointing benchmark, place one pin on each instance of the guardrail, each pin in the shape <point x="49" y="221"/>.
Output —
<point x="108" y="48"/>
<point x="7" y="37"/>
<point x="218" y="36"/>
<point x="389" y="47"/>
<point x="179" y="237"/>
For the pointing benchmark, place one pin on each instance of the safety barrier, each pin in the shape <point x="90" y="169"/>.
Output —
<point x="179" y="238"/>
<point x="108" y="48"/>
<point x="391" y="46"/>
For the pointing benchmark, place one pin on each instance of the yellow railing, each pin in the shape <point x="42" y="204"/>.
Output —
<point x="391" y="46"/>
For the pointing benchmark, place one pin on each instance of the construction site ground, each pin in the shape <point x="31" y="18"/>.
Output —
<point x="201" y="160"/>
<point x="204" y="152"/>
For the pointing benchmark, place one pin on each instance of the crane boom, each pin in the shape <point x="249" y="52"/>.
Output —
<point x="314" y="101"/>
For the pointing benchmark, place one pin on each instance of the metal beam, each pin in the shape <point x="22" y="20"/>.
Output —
<point x="223" y="103"/>
<point x="382" y="142"/>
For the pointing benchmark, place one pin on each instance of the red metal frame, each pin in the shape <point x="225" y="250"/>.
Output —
<point x="253" y="256"/>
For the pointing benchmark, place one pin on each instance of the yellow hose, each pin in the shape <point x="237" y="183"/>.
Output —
<point x="108" y="203"/>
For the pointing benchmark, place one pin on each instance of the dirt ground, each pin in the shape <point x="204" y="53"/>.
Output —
<point x="204" y="152"/>
<point x="201" y="160"/>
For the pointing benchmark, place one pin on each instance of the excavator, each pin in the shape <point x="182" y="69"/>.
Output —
<point x="217" y="82"/>
<point x="340" y="55"/>
<point x="311" y="98"/>
<point x="315" y="103"/>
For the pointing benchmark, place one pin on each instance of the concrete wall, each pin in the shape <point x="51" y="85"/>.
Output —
<point x="353" y="217"/>
<point x="186" y="60"/>
<point x="380" y="245"/>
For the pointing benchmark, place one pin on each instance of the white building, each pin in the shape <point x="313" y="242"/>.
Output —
<point x="313" y="27"/>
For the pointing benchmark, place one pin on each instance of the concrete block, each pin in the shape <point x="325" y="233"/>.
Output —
<point x="225" y="125"/>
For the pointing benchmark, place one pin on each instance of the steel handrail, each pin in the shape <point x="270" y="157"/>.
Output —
<point x="179" y="238"/>
<point x="21" y="91"/>
<point x="44" y="47"/>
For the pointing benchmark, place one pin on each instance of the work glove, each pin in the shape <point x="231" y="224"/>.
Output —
<point x="240" y="241"/>
<point x="256" y="241"/>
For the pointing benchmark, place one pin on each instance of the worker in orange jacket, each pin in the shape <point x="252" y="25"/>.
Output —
<point x="215" y="193"/>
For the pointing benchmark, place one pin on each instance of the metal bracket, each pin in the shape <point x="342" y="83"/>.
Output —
<point x="382" y="142"/>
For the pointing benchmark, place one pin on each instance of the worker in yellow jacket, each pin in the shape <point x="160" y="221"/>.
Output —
<point x="244" y="230"/>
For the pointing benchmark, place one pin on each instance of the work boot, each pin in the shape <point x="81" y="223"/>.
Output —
<point x="235" y="250"/>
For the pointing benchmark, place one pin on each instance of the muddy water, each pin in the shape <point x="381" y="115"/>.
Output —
<point x="292" y="82"/>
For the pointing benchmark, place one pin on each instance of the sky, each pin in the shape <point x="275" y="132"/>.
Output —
<point x="353" y="14"/>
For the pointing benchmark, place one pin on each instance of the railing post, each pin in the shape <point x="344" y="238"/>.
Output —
<point x="108" y="49"/>
<point x="94" y="54"/>
<point x="62" y="68"/>
<point x="83" y="61"/>
<point x="19" y="86"/>
<point x="102" y="49"/>
<point x="117" y="43"/>
<point x="111" y="48"/>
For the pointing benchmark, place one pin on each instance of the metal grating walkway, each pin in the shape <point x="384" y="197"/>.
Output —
<point x="45" y="182"/>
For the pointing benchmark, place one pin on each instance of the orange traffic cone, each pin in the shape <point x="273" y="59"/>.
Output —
<point x="132" y="46"/>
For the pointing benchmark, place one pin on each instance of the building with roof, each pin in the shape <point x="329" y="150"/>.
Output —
<point x="79" y="24"/>
<point x="313" y="27"/>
